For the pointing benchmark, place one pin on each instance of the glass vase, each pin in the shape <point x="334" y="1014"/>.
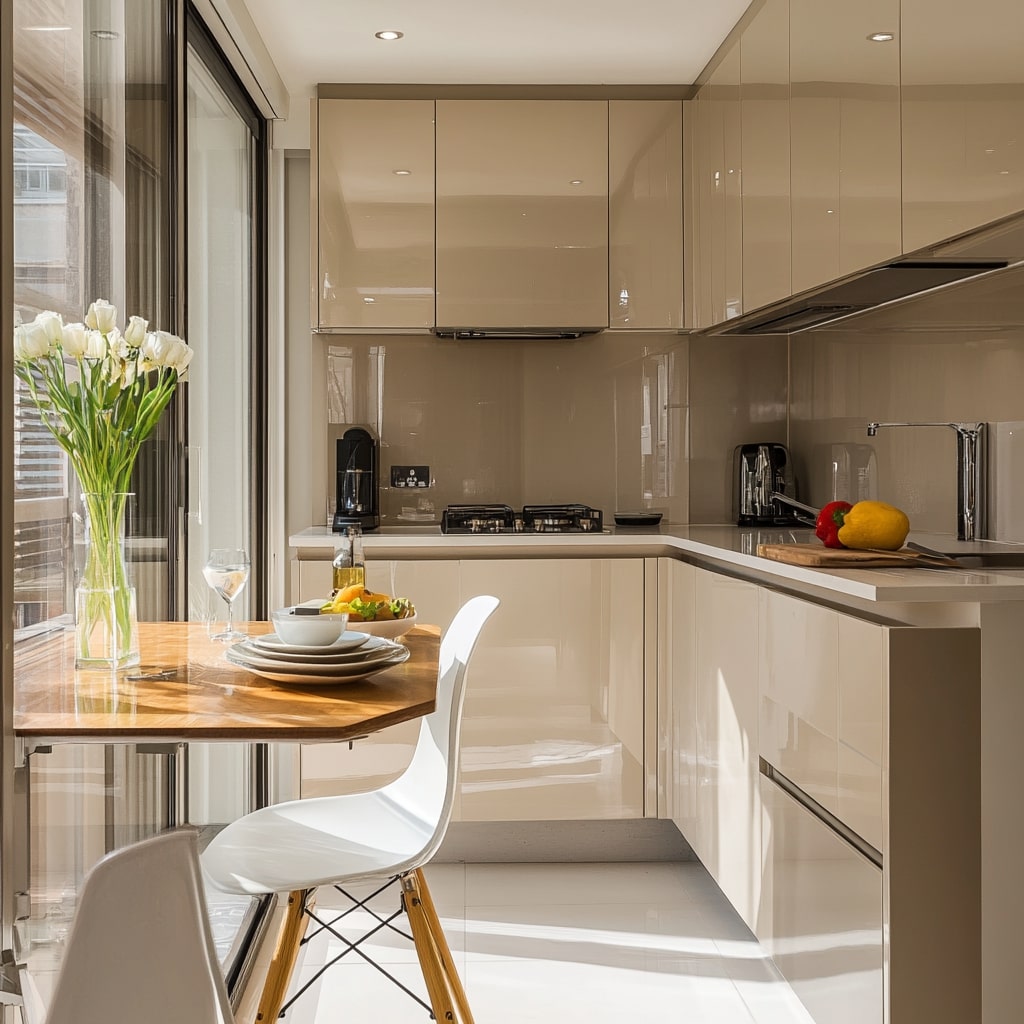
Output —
<point x="106" y="623"/>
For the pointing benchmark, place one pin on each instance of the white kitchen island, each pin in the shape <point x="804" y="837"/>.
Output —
<point x="839" y="747"/>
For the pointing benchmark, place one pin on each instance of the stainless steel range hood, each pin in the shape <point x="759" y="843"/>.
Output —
<point x="985" y="251"/>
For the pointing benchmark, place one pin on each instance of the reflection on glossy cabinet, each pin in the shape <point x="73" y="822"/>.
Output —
<point x="330" y="768"/>
<point x="963" y="116"/>
<point x="553" y="722"/>
<point x="728" y="801"/>
<point x="373" y="214"/>
<point x="522" y="214"/>
<point x="821" y="914"/>
<point x="645" y="217"/>
<point x="845" y="138"/>
<point x="764" y="111"/>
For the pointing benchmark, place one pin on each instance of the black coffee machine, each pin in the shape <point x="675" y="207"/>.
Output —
<point x="358" y="479"/>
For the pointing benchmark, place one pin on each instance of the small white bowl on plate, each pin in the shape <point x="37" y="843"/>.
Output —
<point x="390" y="629"/>
<point x="308" y="630"/>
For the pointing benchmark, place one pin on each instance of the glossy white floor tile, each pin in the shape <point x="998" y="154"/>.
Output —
<point x="593" y="943"/>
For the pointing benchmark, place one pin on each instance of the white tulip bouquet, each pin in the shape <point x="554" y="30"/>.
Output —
<point x="100" y="393"/>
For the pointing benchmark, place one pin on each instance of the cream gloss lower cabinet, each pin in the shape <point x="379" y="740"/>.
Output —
<point x="677" y="695"/>
<point x="728" y="835"/>
<point x="821" y="913"/>
<point x="869" y="736"/>
<point x="821" y="680"/>
<point x="553" y="724"/>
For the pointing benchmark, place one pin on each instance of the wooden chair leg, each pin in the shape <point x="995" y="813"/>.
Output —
<point x="427" y="953"/>
<point x="416" y="884"/>
<point x="286" y="952"/>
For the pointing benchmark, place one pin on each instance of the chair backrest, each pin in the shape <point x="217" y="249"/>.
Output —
<point x="140" y="947"/>
<point x="426" y="789"/>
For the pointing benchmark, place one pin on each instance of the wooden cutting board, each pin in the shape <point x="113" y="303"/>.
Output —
<point x="847" y="558"/>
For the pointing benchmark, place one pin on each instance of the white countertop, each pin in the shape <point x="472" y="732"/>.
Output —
<point x="726" y="544"/>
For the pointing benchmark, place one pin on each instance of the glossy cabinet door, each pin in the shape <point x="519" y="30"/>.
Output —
<point x="522" y="214"/>
<point x="728" y="841"/>
<point x="645" y="214"/>
<point x="822" y="678"/>
<point x="677" y="665"/>
<point x="553" y="722"/>
<point x="331" y="768"/>
<point x="373" y="221"/>
<point x="723" y="141"/>
<point x="725" y="88"/>
<point x="821" y="914"/>
<point x="845" y="138"/>
<point x="764" y="117"/>
<point x="963" y="116"/>
<point x="705" y="162"/>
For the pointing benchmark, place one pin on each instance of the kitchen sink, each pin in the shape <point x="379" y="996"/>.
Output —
<point x="988" y="557"/>
<point x="991" y="560"/>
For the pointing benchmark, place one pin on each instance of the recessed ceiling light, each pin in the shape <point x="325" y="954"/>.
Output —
<point x="389" y="34"/>
<point x="576" y="181"/>
<point x="47" y="28"/>
<point x="882" y="37"/>
<point x="105" y="33"/>
<point x="401" y="170"/>
<point x="368" y="299"/>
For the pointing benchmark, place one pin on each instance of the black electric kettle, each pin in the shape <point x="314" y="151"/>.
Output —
<point x="759" y="470"/>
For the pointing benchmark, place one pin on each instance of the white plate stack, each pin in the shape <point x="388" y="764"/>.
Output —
<point x="352" y="656"/>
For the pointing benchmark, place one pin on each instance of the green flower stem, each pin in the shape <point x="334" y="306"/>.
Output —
<point x="105" y="631"/>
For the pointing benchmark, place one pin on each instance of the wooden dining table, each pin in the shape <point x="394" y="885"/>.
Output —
<point x="184" y="689"/>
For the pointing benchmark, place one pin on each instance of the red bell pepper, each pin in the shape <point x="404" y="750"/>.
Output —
<point x="830" y="519"/>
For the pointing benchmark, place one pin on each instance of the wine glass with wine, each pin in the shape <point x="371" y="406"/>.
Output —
<point x="227" y="572"/>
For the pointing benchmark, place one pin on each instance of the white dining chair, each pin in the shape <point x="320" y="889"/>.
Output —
<point x="140" y="946"/>
<point x="387" y="834"/>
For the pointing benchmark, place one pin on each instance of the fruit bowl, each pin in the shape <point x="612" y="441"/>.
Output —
<point x="308" y="630"/>
<point x="390" y="629"/>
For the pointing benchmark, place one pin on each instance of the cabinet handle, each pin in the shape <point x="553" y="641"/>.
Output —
<point x="823" y="814"/>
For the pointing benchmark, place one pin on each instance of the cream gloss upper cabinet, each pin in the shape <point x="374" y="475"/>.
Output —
<point x="726" y="255"/>
<point x="373" y="215"/>
<point x="764" y="115"/>
<point x="963" y="116"/>
<point x="522" y="214"/>
<point x="645" y="214"/>
<point x="845" y="138"/>
<point x="718" y="235"/>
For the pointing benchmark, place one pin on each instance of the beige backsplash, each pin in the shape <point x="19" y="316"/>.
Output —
<point x="599" y="420"/>
<point x="925" y="361"/>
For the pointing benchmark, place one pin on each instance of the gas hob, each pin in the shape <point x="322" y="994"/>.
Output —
<point x="532" y="519"/>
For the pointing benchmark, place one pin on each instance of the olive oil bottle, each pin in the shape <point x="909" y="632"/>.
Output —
<point x="348" y="566"/>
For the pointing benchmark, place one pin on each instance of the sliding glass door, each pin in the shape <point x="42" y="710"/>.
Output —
<point x="224" y="157"/>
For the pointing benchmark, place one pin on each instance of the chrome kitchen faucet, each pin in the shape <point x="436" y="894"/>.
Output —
<point x="970" y="474"/>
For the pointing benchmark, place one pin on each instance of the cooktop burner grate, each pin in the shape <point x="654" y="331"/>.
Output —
<point x="489" y="519"/>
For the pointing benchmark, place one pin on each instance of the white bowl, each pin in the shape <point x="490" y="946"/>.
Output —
<point x="308" y="630"/>
<point x="390" y="629"/>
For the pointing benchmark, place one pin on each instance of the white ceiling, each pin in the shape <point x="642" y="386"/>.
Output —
<point x="484" y="42"/>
